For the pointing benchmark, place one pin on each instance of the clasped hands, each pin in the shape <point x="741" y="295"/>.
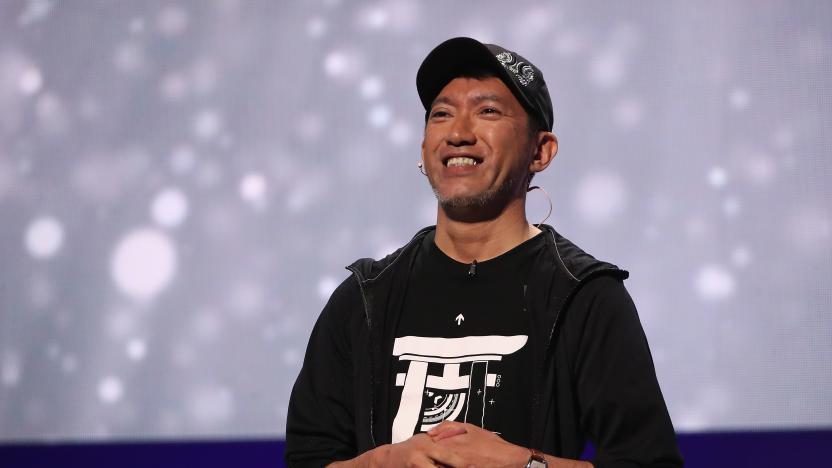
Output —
<point x="450" y="444"/>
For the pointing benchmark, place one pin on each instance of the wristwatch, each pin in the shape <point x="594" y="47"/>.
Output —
<point x="537" y="460"/>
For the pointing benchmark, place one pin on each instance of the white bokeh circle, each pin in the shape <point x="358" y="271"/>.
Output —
<point x="211" y="405"/>
<point x="600" y="197"/>
<point x="169" y="207"/>
<point x="30" y="81"/>
<point x="143" y="263"/>
<point x="371" y="87"/>
<point x="253" y="188"/>
<point x="326" y="286"/>
<point x="11" y="368"/>
<point x="379" y="116"/>
<point x="717" y="177"/>
<point x="714" y="283"/>
<point x="136" y="349"/>
<point x="739" y="98"/>
<point x="44" y="237"/>
<point x="316" y="27"/>
<point x="110" y="390"/>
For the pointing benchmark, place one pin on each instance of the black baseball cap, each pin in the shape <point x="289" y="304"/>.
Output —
<point x="456" y="56"/>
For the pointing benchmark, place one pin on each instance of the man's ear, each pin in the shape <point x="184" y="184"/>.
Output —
<point x="545" y="151"/>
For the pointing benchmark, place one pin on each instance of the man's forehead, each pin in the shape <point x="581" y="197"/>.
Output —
<point x="475" y="90"/>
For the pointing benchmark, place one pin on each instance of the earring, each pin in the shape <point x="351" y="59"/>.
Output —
<point x="421" y="169"/>
<point x="548" y="198"/>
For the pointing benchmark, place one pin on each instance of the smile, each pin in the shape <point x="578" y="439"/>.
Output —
<point x="461" y="161"/>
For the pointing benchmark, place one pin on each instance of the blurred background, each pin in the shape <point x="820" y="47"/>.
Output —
<point x="182" y="183"/>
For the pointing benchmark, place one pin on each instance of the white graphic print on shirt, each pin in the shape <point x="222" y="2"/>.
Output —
<point x="459" y="392"/>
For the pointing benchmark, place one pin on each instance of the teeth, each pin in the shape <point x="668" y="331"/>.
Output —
<point x="461" y="161"/>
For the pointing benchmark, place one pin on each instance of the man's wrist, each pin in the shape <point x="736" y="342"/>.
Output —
<point x="519" y="456"/>
<point x="364" y="460"/>
<point x="374" y="457"/>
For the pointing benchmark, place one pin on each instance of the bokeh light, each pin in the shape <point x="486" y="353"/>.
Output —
<point x="143" y="263"/>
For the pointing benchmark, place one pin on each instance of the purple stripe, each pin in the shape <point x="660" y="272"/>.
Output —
<point x="711" y="450"/>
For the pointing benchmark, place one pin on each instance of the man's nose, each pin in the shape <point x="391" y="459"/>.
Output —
<point x="461" y="132"/>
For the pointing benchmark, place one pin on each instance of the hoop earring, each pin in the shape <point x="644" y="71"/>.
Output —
<point x="548" y="198"/>
<point x="421" y="169"/>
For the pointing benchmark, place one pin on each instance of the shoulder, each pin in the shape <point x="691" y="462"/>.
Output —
<point x="575" y="261"/>
<point x="369" y="269"/>
<point x="602" y="290"/>
<point x="602" y="306"/>
<point x="348" y="293"/>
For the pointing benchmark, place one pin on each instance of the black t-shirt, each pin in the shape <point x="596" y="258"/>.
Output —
<point x="461" y="351"/>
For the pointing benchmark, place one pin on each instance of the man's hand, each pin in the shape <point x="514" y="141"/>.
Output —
<point x="478" y="446"/>
<point x="417" y="451"/>
<point x="482" y="448"/>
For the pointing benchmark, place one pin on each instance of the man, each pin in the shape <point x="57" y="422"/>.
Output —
<point x="484" y="341"/>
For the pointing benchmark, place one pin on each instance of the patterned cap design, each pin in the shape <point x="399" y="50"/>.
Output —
<point x="525" y="73"/>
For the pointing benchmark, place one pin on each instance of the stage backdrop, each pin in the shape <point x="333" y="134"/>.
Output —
<point x="182" y="183"/>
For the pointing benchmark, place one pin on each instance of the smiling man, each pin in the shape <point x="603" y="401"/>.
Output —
<point x="486" y="340"/>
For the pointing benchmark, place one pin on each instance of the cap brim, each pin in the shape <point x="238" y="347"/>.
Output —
<point x="448" y="60"/>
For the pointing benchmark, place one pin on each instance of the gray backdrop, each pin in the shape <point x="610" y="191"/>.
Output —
<point x="182" y="182"/>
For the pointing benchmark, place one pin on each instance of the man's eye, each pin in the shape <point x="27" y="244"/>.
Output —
<point x="490" y="110"/>
<point x="439" y="113"/>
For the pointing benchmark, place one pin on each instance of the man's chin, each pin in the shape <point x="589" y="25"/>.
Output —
<point x="471" y="208"/>
<point x="467" y="199"/>
<point x="469" y="202"/>
<point x="475" y="206"/>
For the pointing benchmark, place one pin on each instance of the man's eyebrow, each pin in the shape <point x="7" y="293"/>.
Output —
<point x="487" y="97"/>
<point x="477" y="99"/>
<point x="440" y="100"/>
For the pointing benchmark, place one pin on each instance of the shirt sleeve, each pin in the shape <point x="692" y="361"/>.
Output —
<point x="622" y="409"/>
<point x="320" y="420"/>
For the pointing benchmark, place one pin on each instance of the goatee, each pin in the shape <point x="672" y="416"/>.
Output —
<point x="483" y="200"/>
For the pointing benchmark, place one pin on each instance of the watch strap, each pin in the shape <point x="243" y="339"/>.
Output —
<point x="537" y="460"/>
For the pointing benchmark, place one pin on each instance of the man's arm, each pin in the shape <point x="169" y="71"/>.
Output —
<point x="320" y="420"/>
<point x="620" y="404"/>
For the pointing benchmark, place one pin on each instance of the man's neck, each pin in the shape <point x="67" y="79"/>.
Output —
<point x="483" y="240"/>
